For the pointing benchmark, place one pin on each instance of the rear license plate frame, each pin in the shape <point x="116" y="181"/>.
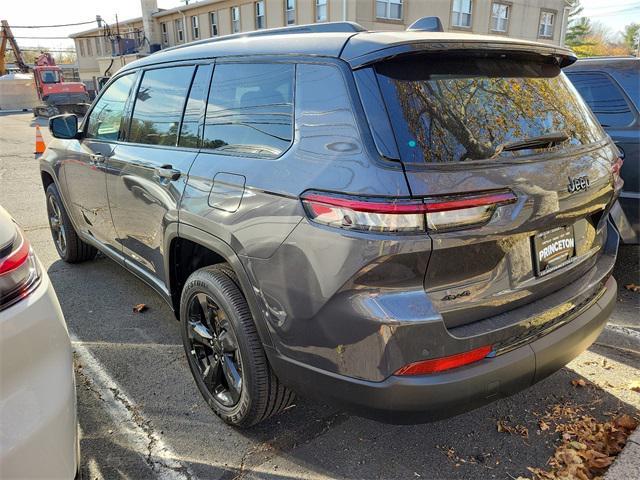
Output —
<point x="561" y="249"/>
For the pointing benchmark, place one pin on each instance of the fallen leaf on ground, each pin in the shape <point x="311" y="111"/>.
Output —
<point x="503" y="426"/>
<point x="139" y="308"/>
<point x="632" y="287"/>
<point x="635" y="386"/>
<point x="580" y="382"/>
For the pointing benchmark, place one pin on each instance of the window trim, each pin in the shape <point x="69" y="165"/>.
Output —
<point x="176" y="22"/>
<point x="264" y="14"/>
<point x="195" y="27"/>
<point x="315" y="11"/>
<point x="553" y="25"/>
<point x="388" y="19"/>
<point x="509" y="6"/>
<point x="471" y="19"/>
<point x="211" y="24"/>
<point x="239" y="20"/>
<point x="81" y="47"/>
<point x="164" y="33"/>
<point x="295" y="13"/>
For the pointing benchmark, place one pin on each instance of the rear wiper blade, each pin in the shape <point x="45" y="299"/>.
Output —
<point x="541" y="141"/>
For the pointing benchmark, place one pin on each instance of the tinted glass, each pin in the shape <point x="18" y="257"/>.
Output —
<point x="453" y="110"/>
<point x="191" y="130"/>
<point x="604" y="98"/>
<point x="250" y="109"/>
<point x="158" y="107"/>
<point x="105" y="119"/>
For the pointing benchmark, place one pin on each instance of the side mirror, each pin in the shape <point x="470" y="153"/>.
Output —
<point x="64" y="126"/>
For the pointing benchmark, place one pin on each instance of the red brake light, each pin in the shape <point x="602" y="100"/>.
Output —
<point x="425" y="367"/>
<point x="405" y="215"/>
<point x="15" y="258"/>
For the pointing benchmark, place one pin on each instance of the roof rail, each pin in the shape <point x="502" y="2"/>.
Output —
<point x="326" y="27"/>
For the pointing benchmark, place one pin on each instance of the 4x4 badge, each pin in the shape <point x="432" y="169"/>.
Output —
<point x="578" y="183"/>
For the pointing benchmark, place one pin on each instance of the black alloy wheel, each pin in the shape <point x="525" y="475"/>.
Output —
<point x="214" y="348"/>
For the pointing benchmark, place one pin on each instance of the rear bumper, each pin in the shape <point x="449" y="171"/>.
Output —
<point x="38" y="426"/>
<point x="432" y="397"/>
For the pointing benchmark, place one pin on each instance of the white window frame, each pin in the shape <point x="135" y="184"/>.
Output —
<point x="195" y="27"/>
<point x="236" y="26"/>
<point x="98" y="45"/>
<point x="322" y="5"/>
<point x="81" y="47"/>
<point x="261" y="19"/>
<point x="387" y="9"/>
<point x="89" y="48"/>
<point x="458" y="14"/>
<point x="164" y="33"/>
<point x="213" y="23"/>
<point x="503" y="8"/>
<point x="179" y="26"/>
<point x="290" y="12"/>
<point x="544" y="25"/>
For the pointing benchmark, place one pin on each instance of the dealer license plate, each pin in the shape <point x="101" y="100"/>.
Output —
<point x="553" y="249"/>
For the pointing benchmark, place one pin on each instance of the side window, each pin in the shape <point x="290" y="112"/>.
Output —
<point x="250" y="109"/>
<point x="191" y="130"/>
<point x="105" y="120"/>
<point x="604" y="98"/>
<point x="158" y="107"/>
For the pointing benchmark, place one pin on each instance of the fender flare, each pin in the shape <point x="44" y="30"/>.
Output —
<point x="180" y="230"/>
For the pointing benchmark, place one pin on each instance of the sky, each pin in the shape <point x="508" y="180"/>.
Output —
<point x="613" y="13"/>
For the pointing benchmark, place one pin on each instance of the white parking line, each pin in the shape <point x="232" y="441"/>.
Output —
<point x="129" y="420"/>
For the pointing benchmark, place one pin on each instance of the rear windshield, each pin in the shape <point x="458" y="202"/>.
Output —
<point x="445" y="110"/>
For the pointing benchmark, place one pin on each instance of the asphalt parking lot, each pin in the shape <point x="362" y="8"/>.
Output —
<point x="141" y="415"/>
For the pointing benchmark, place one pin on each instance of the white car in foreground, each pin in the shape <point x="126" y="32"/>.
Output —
<point x="38" y="425"/>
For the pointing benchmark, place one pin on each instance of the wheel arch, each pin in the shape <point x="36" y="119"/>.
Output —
<point x="210" y="251"/>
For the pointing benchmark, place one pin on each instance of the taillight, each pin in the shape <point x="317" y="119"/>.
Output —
<point x="618" y="182"/>
<point x="435" y="365"/>
<point x="393" y="215"/>
<point x="19" y="273"/>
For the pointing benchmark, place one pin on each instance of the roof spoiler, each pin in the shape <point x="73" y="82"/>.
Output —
<point x="426" y="24"/>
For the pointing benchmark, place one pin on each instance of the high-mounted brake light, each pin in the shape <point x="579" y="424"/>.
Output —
<point x="435" y="365"/>
<point x="405" y="215"/>
<point x="19" y="273"/>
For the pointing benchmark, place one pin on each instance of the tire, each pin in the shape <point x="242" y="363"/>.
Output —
<point x="71" y="248"/>
<point x="262" y="395"/>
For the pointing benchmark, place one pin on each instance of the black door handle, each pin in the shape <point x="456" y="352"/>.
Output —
<point x="167" y="171"/>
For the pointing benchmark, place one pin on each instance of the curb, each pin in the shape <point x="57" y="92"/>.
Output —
<point x="627" y="465"/>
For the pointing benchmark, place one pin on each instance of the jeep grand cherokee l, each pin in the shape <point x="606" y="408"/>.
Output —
<point x="409" y="223"/>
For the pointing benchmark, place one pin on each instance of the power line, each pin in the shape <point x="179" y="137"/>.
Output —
<point x="54" y="26"/>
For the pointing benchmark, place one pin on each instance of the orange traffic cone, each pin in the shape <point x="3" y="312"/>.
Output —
<point x="40" y="146"/>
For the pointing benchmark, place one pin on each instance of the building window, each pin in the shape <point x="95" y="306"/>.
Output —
<point x="499" y="17"/>
<point x="461" y="13"/>
<point x="260" y="15"/>
<point x="213" y="19"/>
<point x="321" y="11"/>
<point x="195" y="27"/>
<point x="290" y="12"/>
<point x="389" y="9"/>
<point x="235" y="19"/>
<point x="165" y="34"/>
<point x="98" y="46"/>
<point x="81" y="47"/>
<point x="547" y="20"/>
<point x="179" y="30"/>
<point x="89" y="48"/>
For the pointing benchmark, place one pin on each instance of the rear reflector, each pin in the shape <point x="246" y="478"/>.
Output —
<point x="405" y="215"/>
<point x="425" y="367"/>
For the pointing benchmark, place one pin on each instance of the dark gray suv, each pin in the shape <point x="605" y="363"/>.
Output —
<point x="412" y="224"/>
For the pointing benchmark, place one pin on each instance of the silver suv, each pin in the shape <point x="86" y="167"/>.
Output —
<point x="412" y="223"/>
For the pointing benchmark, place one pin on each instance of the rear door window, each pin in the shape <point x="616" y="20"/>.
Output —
<point x="105" y="119"/>
<point x="192" y="122"/>
<point x="457" y="109"/>
<point x="604" y="97"/>
<point x="159" y="105"/>
<point x="250" y="110"/>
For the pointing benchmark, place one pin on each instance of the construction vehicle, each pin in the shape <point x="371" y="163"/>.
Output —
<point x="56" y="95"/>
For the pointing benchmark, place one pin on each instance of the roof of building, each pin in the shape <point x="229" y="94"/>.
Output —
<point x="345" y="40"/>
<point x="96" y="30"/>
<point x="184" y="8"/>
